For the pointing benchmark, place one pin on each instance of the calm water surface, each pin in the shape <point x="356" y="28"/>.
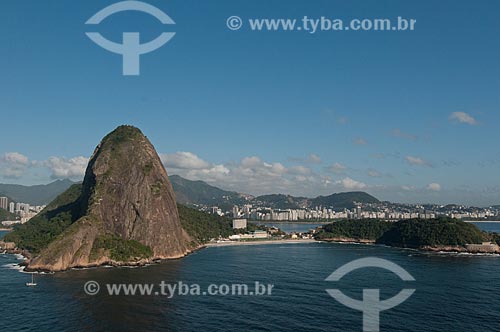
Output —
<point x="454" y="293"/>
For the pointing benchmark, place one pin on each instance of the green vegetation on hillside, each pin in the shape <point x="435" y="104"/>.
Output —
<point x="368" y="229"/>
<point x="122" y="134"/>
<point x="41" y="230"/>
<point x="412" y="233"/>
<point x="203" y="227"/>
<point x="280" y="201"/>
<point x="342" y="201"/>
<point x="38" y="232"/>
<point x="437" y="232"/>
<point x="6" y="215"/>
<point x="121" y="250"/>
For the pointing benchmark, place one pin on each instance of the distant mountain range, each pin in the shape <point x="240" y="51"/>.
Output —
<point x="35" y="195"/>
<point x="190" y="192"/>
<point x="199" y="193"/>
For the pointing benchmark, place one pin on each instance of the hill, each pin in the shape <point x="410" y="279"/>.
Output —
<point x="35" y="195"/>
<point x="414" y="233"/>
<point x="201" y="193"/>
<point x="189" y="192"/>
<point x="196" y="193"/>
<point x="342" y="201"/>
<point x="443" y="231"/>
<point x="6" y="215"/>
<point x="123" y="213"/>
<point x="280" y="201"/>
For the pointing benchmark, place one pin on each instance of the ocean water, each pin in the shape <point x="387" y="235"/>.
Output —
<point x="292" y="227"/>
<point x="488" y="226"/>
<point x="453" y="293"/>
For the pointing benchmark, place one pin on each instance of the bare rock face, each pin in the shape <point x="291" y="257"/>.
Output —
<point x="129" y="213"/>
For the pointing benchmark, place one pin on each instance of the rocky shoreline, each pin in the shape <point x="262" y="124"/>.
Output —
<point x="473" y="249"/>
<point x="103" y="263"/>
<point x="348" y="240"/>
<point x="485" y="248"/>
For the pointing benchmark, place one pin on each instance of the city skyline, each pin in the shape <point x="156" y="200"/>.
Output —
<point x="406" y="116"/>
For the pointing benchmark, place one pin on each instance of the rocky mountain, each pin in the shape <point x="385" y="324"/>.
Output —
<point x="35" y="195"/>
<point x="124" y="212"/>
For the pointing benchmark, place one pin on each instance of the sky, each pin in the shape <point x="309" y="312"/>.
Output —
<point x="408" y="116"/>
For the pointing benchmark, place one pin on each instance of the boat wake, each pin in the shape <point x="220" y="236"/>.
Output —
<point x="14" y="266"/>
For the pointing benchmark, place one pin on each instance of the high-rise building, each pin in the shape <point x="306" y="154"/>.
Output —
<point x="4" y="203"/>
<point x="236" y="212"/>
<point x="239" y="223"/>
<point x="12" y="207"/>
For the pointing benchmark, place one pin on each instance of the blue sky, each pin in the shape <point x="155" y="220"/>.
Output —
<point x="410" y="116"/>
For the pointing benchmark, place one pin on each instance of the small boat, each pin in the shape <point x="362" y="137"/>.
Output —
<point x="32" y="283"/>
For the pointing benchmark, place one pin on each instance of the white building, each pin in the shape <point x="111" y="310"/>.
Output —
<point x="239" y="223"/>
<point x="4" y="203"/>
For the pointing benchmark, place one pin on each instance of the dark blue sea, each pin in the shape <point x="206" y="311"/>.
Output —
<point x="453" y="293"/>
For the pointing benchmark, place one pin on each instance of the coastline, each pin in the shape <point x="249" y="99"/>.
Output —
<point x="6" y="229"/>
<point x="146" y="262"/>
<point x="258" y="242"/>
<point x="261" y="222"/>
<point x="482" y="221"/>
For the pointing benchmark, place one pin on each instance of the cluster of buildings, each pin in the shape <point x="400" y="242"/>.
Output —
<point x="23" y="211"/>
<point x="382" y="210"/>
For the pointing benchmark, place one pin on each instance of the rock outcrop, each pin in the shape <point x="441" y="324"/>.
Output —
<point x="128" y="214"/>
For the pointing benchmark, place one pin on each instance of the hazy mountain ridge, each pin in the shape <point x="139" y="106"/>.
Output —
<point x="37" y="194"/>
<point x="201" y="193"/>
<point x="195" y="193"/>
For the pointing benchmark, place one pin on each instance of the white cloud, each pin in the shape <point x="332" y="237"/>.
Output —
<point x="15" y="158"/>
<point x="463" y="117"/>
<point x="337" y="168"/>
<point x="13" y="165"/>
<point x="183" y="160"/>
<point x="434" y="187"/>
<point x="60" y="167"/>
<point x="351" y="184"/>
<point x="256" y="176"/>
<point x="417" y="161"/>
